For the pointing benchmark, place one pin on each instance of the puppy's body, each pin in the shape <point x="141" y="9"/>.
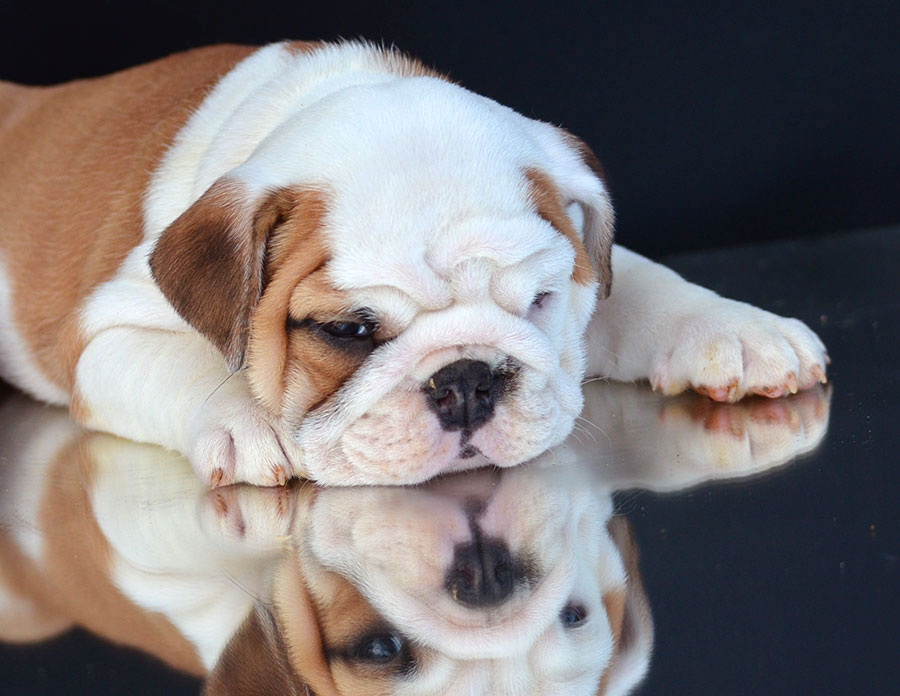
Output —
<point x="405" y="269"/>
<point x="77" y="162"/>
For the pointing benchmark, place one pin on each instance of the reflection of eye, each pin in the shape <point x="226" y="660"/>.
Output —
<point x="378" y="649"/>
<point x="573" y="615"/>
<point x="538" y="300"/>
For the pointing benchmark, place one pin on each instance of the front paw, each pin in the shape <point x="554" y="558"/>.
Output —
<point x="235" y="440"/>
<point x="733" y="349"/>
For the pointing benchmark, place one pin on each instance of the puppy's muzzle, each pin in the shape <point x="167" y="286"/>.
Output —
<point x="484" y="573"/>
<point x="463" y="394"/>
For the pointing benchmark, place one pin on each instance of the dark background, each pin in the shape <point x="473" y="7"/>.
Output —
<point x="718" y="123"/>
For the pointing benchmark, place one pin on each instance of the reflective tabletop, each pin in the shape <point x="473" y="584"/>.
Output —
<point x="670" y="546"/>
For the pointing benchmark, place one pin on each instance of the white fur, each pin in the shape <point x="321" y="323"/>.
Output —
<point x="657" y="326"/>
<point x="466" y="248"/>
<point x="430" y="224"/>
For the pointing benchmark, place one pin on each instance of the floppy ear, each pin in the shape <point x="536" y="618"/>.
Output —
<point x="599" y="218"/>
<point x="209" y="262"/>
<point x="298" y="625"/>
<point x="254" y="663"/>
<point x="629" y="617"/>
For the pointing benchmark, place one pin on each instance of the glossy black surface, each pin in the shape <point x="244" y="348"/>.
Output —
<point x="766" y="532"/>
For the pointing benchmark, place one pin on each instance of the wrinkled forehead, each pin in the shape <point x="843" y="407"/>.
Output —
<point x="550" y="674"/>
<point x="426" y="262"/>
<point x="421" y="176"/>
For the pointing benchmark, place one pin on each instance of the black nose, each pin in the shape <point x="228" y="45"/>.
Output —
<point x="484" y="573"/>
<point x="463" y="394"/>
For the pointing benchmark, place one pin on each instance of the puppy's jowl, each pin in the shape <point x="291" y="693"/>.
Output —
<point x="329" y="261"/>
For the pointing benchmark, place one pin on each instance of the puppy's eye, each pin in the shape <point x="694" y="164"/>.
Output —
<point x="350" y="330"/>
<point x="378" y="649"/>
<point x="573" y="615"/>
<point x="538" y="300"/>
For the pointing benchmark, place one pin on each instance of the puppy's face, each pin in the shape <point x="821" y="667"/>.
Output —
<point x="407" y="269"/>
<point x="473" y="586"/>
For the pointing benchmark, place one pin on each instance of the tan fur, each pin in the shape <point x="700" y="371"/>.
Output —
<point x="599" y="249"/>
<point x="296" y="363"/>
<point x="237" y="270"/>
<point x="344" y="615"/>
<point x="25" y="617"/>
<point x="587" y="155"/>
<point x="73" y="581"/>
<point x="626" y="607"/>
<point x="88" y="195"/>
<point x="614" y="601"/>
<point x="298" y="624"/>
<point x="319" y="614"/>
<point x="255" y="663"/>
<point x="550" y="205"/>
<point x="208" y="263"/>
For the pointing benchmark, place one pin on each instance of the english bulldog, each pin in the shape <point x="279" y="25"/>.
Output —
<point x="331" y="261"/>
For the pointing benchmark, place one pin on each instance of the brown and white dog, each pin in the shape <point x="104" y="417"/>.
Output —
<point x="329" y="261"/>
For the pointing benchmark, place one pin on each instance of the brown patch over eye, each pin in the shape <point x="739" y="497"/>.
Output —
<point x="294" y="362"/>
<point x="315" y="358"/>
<point x="550" y="205"/>
<point x="364" y="653"/>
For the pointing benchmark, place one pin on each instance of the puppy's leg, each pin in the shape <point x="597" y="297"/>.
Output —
<point x="183" y="398"/>
<point x="657" y="326"/>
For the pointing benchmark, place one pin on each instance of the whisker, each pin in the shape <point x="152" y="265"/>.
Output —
<point x="234" y="581"/>
<point x="597" y="428"/>
<point x="581" y="429"/>
<point x="594" y="379"/>
<point x="576" y="430"/>
<point x="222" y="383"/>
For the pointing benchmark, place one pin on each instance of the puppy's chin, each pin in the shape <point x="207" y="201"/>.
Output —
<point x="400" y="440"/>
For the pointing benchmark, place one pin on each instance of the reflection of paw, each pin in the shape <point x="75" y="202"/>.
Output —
<point x="734" y="349"/>
<point x="260" y="517"/>
<point x="725" y="440"/>
<point x="237" y="441"/>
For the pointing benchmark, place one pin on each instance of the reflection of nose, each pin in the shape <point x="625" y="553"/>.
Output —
<point x="484" y="573"/>
<point x="463" y="393"/>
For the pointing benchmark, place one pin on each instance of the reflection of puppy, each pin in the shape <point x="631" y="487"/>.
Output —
<point x="517" y="580"/>
<point x="663" y="444"/>
<point x="404" y="269"/>
<point x="502" y="585"/>
<point x="507" y="583"/>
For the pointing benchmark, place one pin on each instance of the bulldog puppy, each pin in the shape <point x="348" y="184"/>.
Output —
<point x="331" y="261"/>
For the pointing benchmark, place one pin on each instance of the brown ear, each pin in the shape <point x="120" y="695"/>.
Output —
<point x="599" y="218"/>
<point x="254" y="663"/>
<point x="209" y="263"/>
<point x="629" y="617"/>
<point x="298" y="624"/>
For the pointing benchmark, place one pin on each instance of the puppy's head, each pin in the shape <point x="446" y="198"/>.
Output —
<point x="496" y="585"/>
<point x="406" y="270"/>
